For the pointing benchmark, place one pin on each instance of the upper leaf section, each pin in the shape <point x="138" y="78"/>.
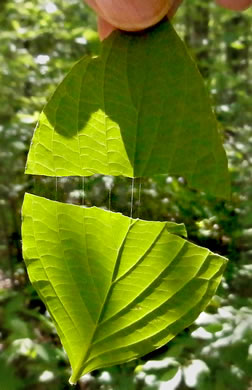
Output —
<point x="140" y="109"/>
<point x="116" y="288"/>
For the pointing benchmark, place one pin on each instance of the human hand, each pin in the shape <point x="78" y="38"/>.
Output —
<point x="131" y="15"/>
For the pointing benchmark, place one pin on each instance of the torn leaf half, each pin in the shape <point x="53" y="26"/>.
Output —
<point x="116" y="288"/>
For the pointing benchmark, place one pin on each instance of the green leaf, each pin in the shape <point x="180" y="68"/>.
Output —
<point x="213" y="328"/>
<point x="169" y="374"/>
<point x="164" y="369"/>
<point x="116" y="288"/>
<point x="139" y="109"/>
<point x="8" y="377"/>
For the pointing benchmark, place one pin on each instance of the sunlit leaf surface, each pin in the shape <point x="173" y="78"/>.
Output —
<point x="139" y="109"/>
<point x="116" y="288"/>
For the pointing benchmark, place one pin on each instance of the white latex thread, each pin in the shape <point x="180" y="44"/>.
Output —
<point x="83" y="191"/>
<point x="139" y="197"/>
<point x="109" y="198"/>
<point x="132" y="197"/>
<point x="56" y="188"/>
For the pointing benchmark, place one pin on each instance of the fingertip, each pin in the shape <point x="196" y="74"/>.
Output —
<point x="173" y="9"/>
<point x="104" y="28"/>
<point x="235" y="5"/>
<point x="92" y="4"/>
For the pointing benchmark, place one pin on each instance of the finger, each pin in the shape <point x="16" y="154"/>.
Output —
<point x="138" y="20"/>
<point x="236" y="5"/>
<point x="92" y="4"/>
<point x="173" y="9"/>
<point x="104" y="28"/>
<point x="131" y="15"/>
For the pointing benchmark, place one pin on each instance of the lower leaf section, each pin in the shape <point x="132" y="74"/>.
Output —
<point x="116" y="288"/>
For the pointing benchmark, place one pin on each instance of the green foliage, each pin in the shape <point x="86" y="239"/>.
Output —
<point x="117" y="288"/>
<point x="139" y="109"/>
<point x="220" y="41"/>
<point x="39" y="42"/>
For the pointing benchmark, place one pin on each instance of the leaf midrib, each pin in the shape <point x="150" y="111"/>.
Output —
<point x="85" y="357"/>
<point x="79" y="368"/>
<point x="113" y="281"/>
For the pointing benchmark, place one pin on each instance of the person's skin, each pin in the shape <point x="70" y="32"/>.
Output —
<point x="136" y="15"/>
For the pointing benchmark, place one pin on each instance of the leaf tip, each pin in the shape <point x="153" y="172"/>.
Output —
<point x="72" y="382"/>
<point x="76" y="375"/>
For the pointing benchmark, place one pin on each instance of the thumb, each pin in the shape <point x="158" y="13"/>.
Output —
<point x="140" y="17"/>
<point x="129" y="15"/>
<point x="104" y="28"/>
<point x="236" y="5"/>
<point x="174" y="7"/>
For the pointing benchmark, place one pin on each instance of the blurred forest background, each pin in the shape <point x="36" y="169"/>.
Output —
<point x="39" y="42"/>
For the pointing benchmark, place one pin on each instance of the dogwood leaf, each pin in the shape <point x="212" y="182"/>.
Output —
<point x="138" y="110"/>
<point x="116" y="288"/>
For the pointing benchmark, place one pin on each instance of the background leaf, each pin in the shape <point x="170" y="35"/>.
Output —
<point x="210" y="32"/>
<point x="139" y="109"/>
<point x="116" y="288"/>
